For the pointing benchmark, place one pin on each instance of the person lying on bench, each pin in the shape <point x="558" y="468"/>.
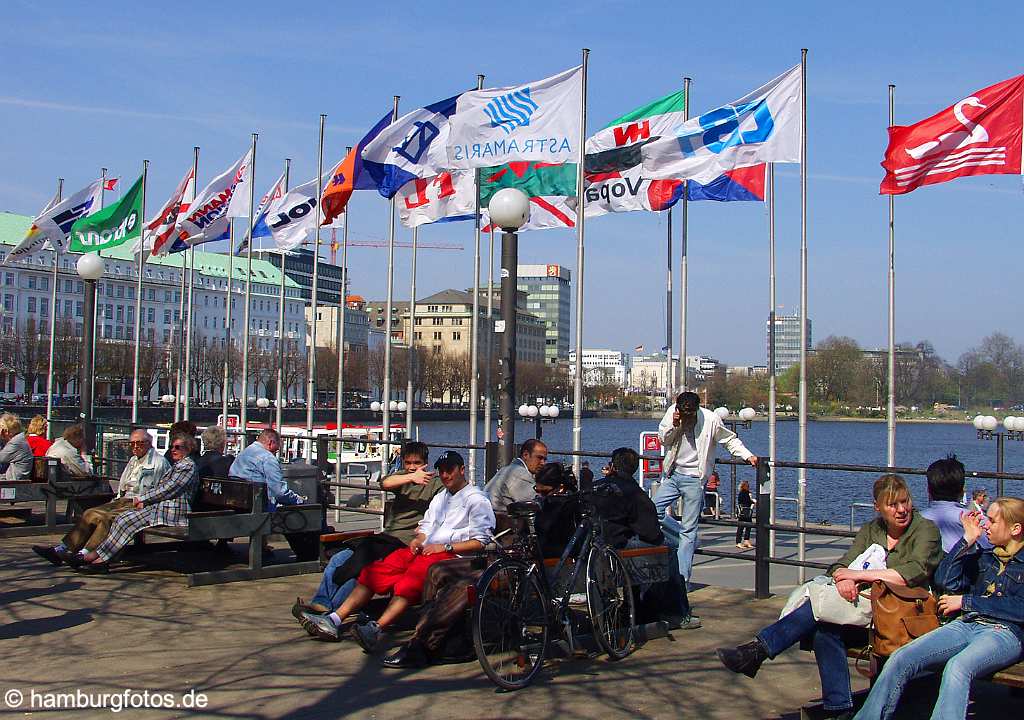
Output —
<point x="142" y="472"/>
<point x="458" y="520"/>
<point x="168" y="502"/>
<point x="413" y="487"/>
<point x="258" y="464"/>
<point x="986" y="637"/>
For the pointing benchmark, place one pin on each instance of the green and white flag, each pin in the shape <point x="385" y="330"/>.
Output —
<point x="551" y="189"/>
<point x="112" y="226"/>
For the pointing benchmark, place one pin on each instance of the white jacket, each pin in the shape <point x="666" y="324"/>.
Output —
<point x="708" y="430"/>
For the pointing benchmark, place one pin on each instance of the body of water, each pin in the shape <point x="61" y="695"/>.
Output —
<point x="829" y="494"/>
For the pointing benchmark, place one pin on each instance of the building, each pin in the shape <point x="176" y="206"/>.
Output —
<point x="700" y="367"/>
<point x="298" y="266"/>
<point x="548" y="297"/>
<point x="649" y="374"/>
<point x="746" y="370"/>
<point x="787" y="341"/>
<point x="357" y="327"/>
<point x="25" y="317"/>
<point x="601" y="367"/>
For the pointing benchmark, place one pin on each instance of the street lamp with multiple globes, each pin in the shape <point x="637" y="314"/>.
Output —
<point x="509" y="209"/>
<point x="746" y="415"/>
<point x="538" y="415"/>
<point x="90" y="269"/>
<point x="986" y="426"/>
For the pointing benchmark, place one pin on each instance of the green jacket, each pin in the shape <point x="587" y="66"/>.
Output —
<point x="915" y="556"/>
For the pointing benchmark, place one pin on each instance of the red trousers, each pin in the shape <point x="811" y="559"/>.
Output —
<point x="401" y="573"/>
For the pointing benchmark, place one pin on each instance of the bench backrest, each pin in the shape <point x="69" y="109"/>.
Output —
<point x="226" y="494"/>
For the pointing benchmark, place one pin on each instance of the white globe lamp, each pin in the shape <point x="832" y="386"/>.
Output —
<point x="722" y="412"/>
<point x="524" y="411"/>
<point x="990" y="423"/>
<point x="375" y="406"/>
<point x="979" y="422"/>
<point x="262" y="402"/>
<point x="1010" y="422"/>
<point x="531" y="411"/>
<point x="509" y="209"/>
<point x="393" y="406"/>
<point x="747" y="414"/>
<point x="553" y="411"/>
<point x="90" y="266"/>
<point x="402" y="406"/>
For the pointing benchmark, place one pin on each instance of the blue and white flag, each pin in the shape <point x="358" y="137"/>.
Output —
<point x="259" y="223"/>
<point x="538" y="121"/>
<point x="53" y="224"/>
<point x="414" y="146"/>
<point x="761" y="127"/>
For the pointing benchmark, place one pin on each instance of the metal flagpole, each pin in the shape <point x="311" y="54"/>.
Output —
<point x="489" y="354"/>
<point x="311" y="350"/>
<point x="684" y="212"/>
<point x="341" y="336"/>
<point x="474" y="324"/>
<point x="95" y="305"/>
<point x="577" y="390"/>
<point x="187" y="319"/>
<point x="672" y="369"/>
<point x="138" y="299"/>
<point x="385" y="400"/>
<point x="228" y="305"/>
<point x="772" y="401"/>
<point x="243" y="407"/>
<point x="180" y="369"/>
<point x="412" y="349"/>
<point x="802" y="450"/>
<point x="280" y="320"/>
<point x="53" y="325"/>
<point x="891" y="410"/>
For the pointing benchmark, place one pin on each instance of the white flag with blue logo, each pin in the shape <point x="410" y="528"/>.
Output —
<point x="53" y="224"/>
<point x="761" y="127"/>
<point x="414" y="146"/>
<point x="538" y="121"/>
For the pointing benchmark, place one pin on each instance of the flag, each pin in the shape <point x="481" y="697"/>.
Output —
<point x="110" y="183"/>
<point x="538" y="121"/>
<point x="638" y="349"/>
<point x="53" y="224"/>
<point x="979" y="135"/>
<point x="259" y="223"/>
<point x="292" y="217"/>
<point x="209" y="214"/>
<point x="414" y="146"/>
<point x="763" y="126"/>
<point x="617" y="145"/>
<point x="551" y="189"/>
<point x="447" y="197"/>
<point x="159" y="232"/>
<point x="553" y="211"/>
<point x="112" y="226"/>
<point x="349" y="176"/>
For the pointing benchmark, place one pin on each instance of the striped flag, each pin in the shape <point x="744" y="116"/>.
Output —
<point x="349" y="175"/>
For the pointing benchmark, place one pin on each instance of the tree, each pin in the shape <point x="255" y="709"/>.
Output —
<point x="29" y="354"/>
<point x="835" y="369"/>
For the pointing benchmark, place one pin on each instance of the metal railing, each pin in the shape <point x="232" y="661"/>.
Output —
<point x="853" y="506"/>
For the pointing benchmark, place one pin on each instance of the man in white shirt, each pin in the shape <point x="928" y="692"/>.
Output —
<point x="459" y="519"/>
<point x="688" y="433"/>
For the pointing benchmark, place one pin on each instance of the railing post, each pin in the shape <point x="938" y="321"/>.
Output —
<point x="490" y="460"/>
<point x="321" y="454"/>
<point x="762" y="556"/>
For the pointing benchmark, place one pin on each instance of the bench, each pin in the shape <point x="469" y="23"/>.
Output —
<point x="48" y="483"/>
<point x="226" y="508"/>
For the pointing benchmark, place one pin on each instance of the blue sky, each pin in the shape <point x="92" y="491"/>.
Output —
<point x="85" y="88"/>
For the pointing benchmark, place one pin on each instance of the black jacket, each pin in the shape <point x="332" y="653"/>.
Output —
<point x="213" y="463"/>
<point x="626" y="510"/>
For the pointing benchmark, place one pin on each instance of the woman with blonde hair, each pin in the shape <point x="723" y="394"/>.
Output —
<point x="35" y="435"/>
<point x="986" y="588"/>
<point x="15" y="453"/>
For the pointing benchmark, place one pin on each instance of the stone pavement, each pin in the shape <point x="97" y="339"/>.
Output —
<point x="238" y="645"/>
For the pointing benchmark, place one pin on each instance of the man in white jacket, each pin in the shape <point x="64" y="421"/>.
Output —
<point x="688" y="433"/>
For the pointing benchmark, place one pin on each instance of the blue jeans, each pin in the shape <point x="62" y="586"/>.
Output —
<point x="328" y="594"/>
<point x="681" y="534"/>
<point x="679" y="601"/>
<point x="829" y="652"/>
<point x="968" y="650"/>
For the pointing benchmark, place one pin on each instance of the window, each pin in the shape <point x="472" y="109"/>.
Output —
<point x="9" y="303"/>
<point x="167" y="296"/>
<point x="31" y="305"/>
<point x="110" y="290"/>
<point x="44" y="307"/>
<point x="9" y="278"/>
<point x="457" y="321"/>
<point x="437" y="336"/>
<point x="167" y="317"/>
<point x="151" y="294"/>
<point x="120" y="313"/>
<point x="131" y="315"/>
<point x="119" y="332"/>
<point x="31" y="282"/>
<point x="418" y="335"/>
<point x="437" y="321"/>
<point x="131" y="293"/>
<point x="167" y="336"/>
<point x="120" y="291"/>
<point x="68" y="286"/>
<point x="108" y="313"/>
<point x="151" y="315"/>
<point x="456" y="336"/>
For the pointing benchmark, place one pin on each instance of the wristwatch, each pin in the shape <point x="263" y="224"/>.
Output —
<point x="448" y="548"/>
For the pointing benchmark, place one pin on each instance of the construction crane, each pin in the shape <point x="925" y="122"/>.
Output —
<point x="375" y="243"/>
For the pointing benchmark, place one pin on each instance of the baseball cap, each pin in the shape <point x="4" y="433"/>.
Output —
<point x="448" y="460"/>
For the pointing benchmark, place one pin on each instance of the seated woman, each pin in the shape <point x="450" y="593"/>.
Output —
<point x="989" y="632"/>
<point x="35" y="435"/>
<point x="15" y="452"/>
<point x="914" y="550"/>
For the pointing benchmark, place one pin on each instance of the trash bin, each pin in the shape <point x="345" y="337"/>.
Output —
<point x="306" y="480"/>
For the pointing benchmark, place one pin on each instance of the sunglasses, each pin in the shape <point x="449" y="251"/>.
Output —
<point x="136" y="443"/>
<point x="178" y="446"/>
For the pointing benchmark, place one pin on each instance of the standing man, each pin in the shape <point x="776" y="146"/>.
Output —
<point x="258" y="464"/>
<point x="515" y="481"/>
<point x="688" y="433"/>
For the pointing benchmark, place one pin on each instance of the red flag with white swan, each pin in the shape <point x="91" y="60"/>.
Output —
<point x="980" y="135"/>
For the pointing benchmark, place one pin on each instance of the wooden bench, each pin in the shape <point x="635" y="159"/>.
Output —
<point x="49" y="483"/>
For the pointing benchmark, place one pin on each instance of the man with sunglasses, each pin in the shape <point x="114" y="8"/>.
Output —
<point x="145" y="467"/>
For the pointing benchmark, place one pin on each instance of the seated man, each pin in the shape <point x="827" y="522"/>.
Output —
<point x="458" y="520"/>
<point x="413" y="488"/>
<point x="142" y="472"/>
<point x="258" y="464"/>
<point x="945" y="489"/>
<point x="213" y="462"/>
<point x="514" y="482"/>
<point x="68" y="449"/>
<point x="166" y="503"/>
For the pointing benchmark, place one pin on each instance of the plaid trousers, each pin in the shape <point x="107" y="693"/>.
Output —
<point x="125" y="527"/>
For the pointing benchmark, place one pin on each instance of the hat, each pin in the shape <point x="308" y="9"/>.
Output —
<point x="449" y="459"/>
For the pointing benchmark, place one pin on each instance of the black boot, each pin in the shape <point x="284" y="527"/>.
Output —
<point x="746" y="658"/>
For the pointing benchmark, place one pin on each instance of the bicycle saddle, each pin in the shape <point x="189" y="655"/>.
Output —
<point x="523" y="509"/>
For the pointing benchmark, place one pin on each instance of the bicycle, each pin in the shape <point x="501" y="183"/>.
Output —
<point x="516" y="608"/>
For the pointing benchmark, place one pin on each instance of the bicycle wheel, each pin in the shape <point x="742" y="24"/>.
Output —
<point x="610" y="601"/>
<point x="510" y="625"/>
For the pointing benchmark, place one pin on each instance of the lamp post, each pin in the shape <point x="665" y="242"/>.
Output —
<point x="90" y="269"/>
<point x="986" y="426"/>
<point x="538" y="415"/>
<point x="509" y="209"/>
<point x="744" y="417"/>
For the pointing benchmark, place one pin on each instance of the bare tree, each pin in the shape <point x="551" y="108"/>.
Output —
<point x="28" y="354"/>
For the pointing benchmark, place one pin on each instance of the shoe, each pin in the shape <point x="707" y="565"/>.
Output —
<point x="100" y="568"/>
<point x="300" y="607"/>
<point x="320" y="626"/>
<point x="746" y="658"/>
<point x="408" y="655"/>
<point x="367" y="634"/>
<point x="748" y="545"/>
<point x="690" y="622"/>
<point x="48" y="553"/>
<point x="74" y="560"/>
<point x="741" y="546"/>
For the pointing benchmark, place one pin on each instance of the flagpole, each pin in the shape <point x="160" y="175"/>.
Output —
<point x="490" y="339"/>
<point x="311" y="350"/>
<point x="280" y="319"/>
<point x="577" y="390"/>
<point x="138" y="299"/>
<point x="474" y="324"/>
<point x="243" y="410"/>
<point x="772" y="389"/>
<point x="411" y="364"/>
<point x="228" y="304"/>
<point x="341" y="336"/>
<point x="179" y="370"/>
<point x="53" y="325"/>
<point x="386" y="390"/>
<point x="891" y="410"/>
<point x="802" y="451"/>
<point x="684" y="216"/>
<point x="187" y="319"/>
<point x="671" y="375"/>
<point x="95" y="306"/>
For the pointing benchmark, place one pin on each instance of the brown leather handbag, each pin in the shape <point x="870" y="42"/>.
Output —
<point x="899" y="614"/>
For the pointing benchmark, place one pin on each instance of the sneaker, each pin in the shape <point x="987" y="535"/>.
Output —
<point x="301" y="606"/>
<point x="578" y="599"/>
<point x="320" y="626"/>
<point x="367" y="634"/>
<point x="690" y="622"/>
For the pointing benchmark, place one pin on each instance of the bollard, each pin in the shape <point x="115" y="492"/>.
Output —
<point x="490" y="461"/>
<point x="762" y="557"/>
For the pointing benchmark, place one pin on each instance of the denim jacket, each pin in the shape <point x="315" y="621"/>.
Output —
<point x="968" y="572"/>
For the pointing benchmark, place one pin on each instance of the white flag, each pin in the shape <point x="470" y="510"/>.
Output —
<point x="763" y="126"/>
<point x="259" y="220"/>
<point x="546" y="212"/>
<point x="292" y="217"/>
<point x="537" y="121"/>
<point x="159" y="234"/>
<point x="53" y="224"/>
<point x="446" y="197"/>
<point x="207" y="217"/>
